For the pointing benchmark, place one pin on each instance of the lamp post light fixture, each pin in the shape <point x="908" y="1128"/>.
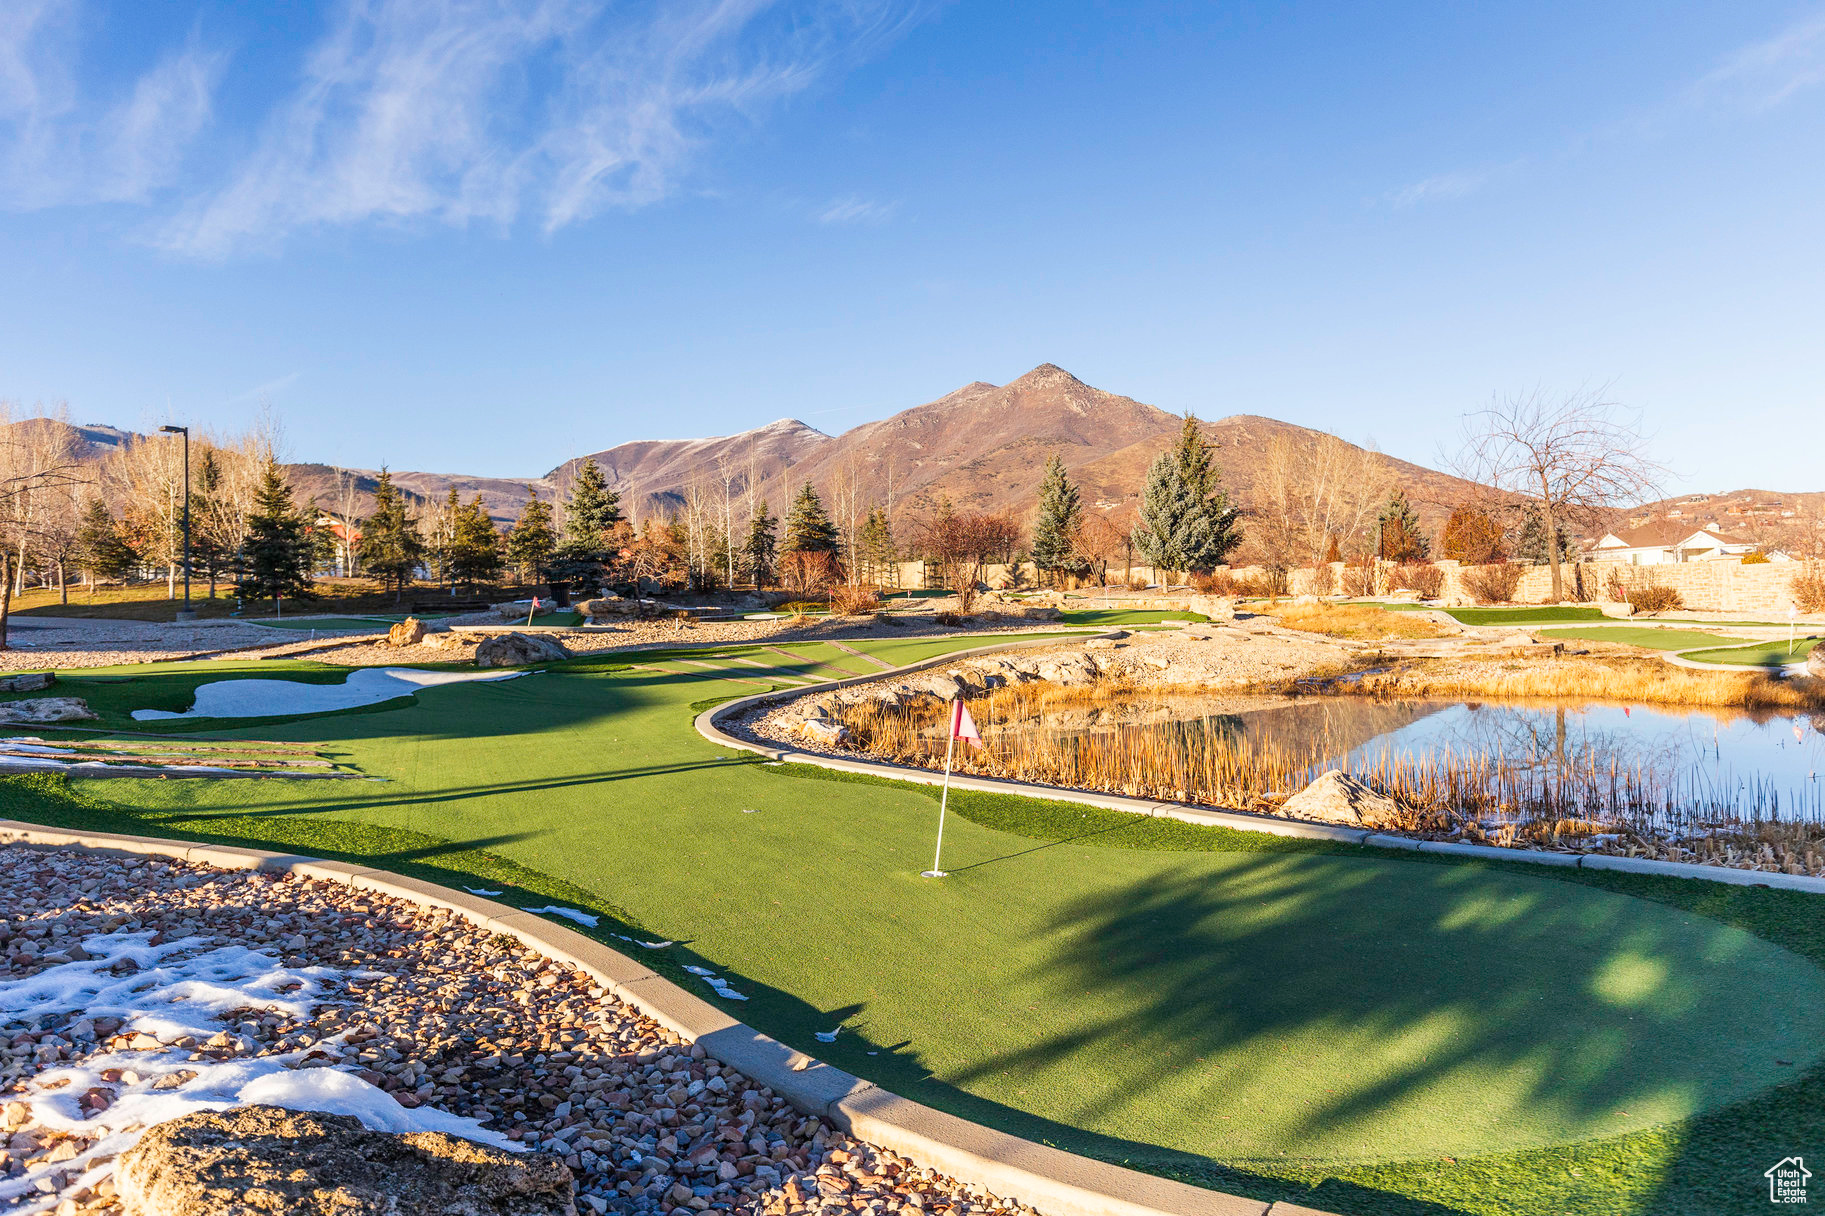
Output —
<point x="186" y="613"/>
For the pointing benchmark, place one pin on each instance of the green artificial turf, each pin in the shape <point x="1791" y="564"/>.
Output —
<point x="1281" y="1018"/>
<point x="1643" y="636"/>
<point x="1103" y="617"/>
<point x="323" y="623"/>
<point x="1768" y="654"/>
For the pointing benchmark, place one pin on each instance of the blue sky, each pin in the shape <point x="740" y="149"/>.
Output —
<point x="483" y="235"/>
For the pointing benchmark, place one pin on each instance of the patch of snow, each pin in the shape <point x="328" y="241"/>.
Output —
<point x="480" y="891"/>
<point x="826" y="1036"/>
<point x="267" y="698"/>
<point x="723" y="990"/>
<point x="582" y="918"/>
<point x="703" y="971"/>
<point x="179" y="988"/>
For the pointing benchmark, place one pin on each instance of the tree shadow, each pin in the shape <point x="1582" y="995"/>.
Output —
<point x="1505" y="1013"/>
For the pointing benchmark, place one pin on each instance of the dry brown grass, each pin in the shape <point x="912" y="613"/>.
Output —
<point x="1621" y="680"/>
<point x="1360" y="622"/>
<point x="1601" y="803"/>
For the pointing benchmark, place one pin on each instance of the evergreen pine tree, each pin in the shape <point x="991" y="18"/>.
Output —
<point x="757" y="550"/>
<point x="877" y="547"/>
<point x="390" y="545"/>
<point x="101" y="551"/>
<point x="1401" y="538"/>
<point x="1196" y="457"/>
<point x="1530" y="545"/>
<point x="276" y="556"/>
<point x="591" y="510"/>
<point x="1173" y="525"/>
<point x="532" y="540"/>
<point x="808" y="528"/>
<point x="1060" y="510"/>
<point x="475" y="545"/>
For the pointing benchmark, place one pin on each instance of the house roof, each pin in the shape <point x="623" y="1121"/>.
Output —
<point x="1668" y="534"/>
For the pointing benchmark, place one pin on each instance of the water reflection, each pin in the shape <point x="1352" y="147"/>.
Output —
<point x="1600" y="760"/>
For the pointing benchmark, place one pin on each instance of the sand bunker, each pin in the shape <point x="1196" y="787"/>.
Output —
<point x="268" y="698"/>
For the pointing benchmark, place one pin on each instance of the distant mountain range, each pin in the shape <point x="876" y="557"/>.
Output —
<point x="982" y="446"/>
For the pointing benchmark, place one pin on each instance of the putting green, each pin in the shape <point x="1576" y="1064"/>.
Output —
<point x="1768" y="654"/>
<point x="1644" y="636"/>
<point x="1241" y="1006"/>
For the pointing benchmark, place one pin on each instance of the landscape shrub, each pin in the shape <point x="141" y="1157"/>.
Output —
<point x="810" y="572"/>
<point x="1423" y="577"/>
<point x="1137" y="584"/>
<point x="1359" y="579"/>
<point x="1493" y="584"/>
<point x="848" y="600"/>
<point x="1809" y="587"/>
<point x="1653" y="597"/>
<point x="801" y="607"/>
<point x="1217" y="582"/>
<point x="948" y="618"/>
<point x="1757" y="558"/>
<point x="1320" y="580"/>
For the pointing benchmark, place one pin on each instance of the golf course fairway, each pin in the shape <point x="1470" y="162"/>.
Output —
<point x="1258" y="1014"/>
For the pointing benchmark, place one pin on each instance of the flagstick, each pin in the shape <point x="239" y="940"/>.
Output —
<point x="943" y="801"/>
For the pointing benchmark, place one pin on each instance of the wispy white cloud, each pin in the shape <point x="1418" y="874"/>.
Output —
<point x="1764" y="74"/>
<point x="1448" y="187"/>
<point x="414" y="111"/>
<point x="261" y="392"/>
<point x="1755" y="78"/>
<point x="58" y="146"/>
<point x="853" y="210"/>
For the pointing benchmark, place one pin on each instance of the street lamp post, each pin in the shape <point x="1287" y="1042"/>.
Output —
<point x="186" y="613"/>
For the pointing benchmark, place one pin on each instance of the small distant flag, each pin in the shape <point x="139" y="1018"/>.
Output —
<point x="962" y="725"/>
<point x="533" y="611"/>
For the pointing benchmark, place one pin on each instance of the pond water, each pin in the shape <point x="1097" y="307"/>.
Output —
<point x="1655" y="761"/>
<point x="1766" y="766"/>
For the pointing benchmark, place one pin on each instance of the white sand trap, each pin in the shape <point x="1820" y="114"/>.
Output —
<point x="268" y="698"/>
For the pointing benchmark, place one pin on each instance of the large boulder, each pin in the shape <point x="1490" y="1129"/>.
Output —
<point x="1621" y="611"/>
<point x="519" y="649"/>
<point x="265" y="1159"/>
<point x="1815" y="662"/>
<point x="1337" y="797"/>
<point x="47" y="709"/>
<point x="36" y="681"/>
<point x="409" y="632"/>
<point x="608" y="607"/>
<point x="825" y="732"/>
<point x="452" y="639"/>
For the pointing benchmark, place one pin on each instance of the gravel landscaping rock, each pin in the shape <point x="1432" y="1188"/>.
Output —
<point x="434" y="1011"/>
<point x="265" y="1159"/>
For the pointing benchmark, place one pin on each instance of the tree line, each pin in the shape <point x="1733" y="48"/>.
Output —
<point x="1546" y="467"/>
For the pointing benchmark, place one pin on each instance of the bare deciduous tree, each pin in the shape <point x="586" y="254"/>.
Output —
<point x="963" y="543"/>
<point x="1314" y="492"/>
<point x="1571" y="455"/>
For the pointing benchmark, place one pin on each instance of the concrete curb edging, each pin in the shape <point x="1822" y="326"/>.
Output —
<point x="707" y="726"/>
<point x="1054" y="1181"/>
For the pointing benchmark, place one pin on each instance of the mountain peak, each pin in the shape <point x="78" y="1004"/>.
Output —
<point x="1047" y="374"/>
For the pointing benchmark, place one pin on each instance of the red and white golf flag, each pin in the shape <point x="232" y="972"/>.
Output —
<point x="962" y="725"/>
